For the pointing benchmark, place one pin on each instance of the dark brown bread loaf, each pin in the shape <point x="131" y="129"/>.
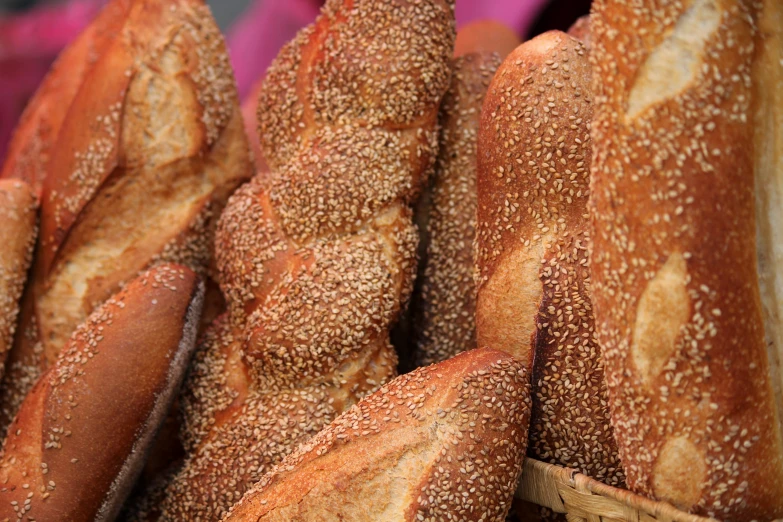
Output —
<point x="688" y="104"/>
<point x="445" y="442"/>
<point x="445" y="309"/>
<point x="17" y="239"/>
<point x="317" y="257"/>
<point x="148" y="151"/>
<point x="532" y="241"/>
<point x="82" y="433"/>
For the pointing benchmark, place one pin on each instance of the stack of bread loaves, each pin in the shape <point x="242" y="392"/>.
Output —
<point x="600" y="288"/>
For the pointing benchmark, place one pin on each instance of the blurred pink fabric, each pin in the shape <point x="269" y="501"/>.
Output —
<point x="30" y="41"/>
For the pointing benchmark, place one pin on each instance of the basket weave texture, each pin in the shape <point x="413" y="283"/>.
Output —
<point x="581" y="498"/>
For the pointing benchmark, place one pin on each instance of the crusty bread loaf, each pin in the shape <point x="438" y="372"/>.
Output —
<point x="81" y="435"/>
<point x="444" y="303"/>
<point x="17" y="239"/>
<point x="581" y="30"/>
<point x="444" y="311"/>
<point x="485" y="36"/>
<point x="36" y="133"/>
<point x="445" y="442"/>
<point x="690" y="343"/>
<point x="149" y="150"/>
<point x="317" y="257"/>
<point x="532" y="241"/>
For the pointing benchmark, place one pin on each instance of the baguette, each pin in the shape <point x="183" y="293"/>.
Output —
<point x="445" y="442"/>
<point x="81" y="435"/>
<point x="316" y="258"/>
<point x="444" y="306"/>
<point x="683" y="258"/>
<point x="531" y="248"/>
<point x="147" y="154"/>
<point x="17" y="237"/>
<point x="31" y="146"/>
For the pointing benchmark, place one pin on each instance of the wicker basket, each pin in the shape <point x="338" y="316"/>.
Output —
<point x="581" y="498"/>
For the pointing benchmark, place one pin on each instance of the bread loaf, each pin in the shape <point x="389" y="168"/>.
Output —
<point x="148" y="151"/>
<point x="317" y="257"/>
<point x="81" y="435"/>
<point x="684" y="254"/>
<point x="36" y="133"/>
<point x="445" y="442"/>
<point x="532" y="241"/>
<point x="17" y="237"/>
<point x="444" y="308"/>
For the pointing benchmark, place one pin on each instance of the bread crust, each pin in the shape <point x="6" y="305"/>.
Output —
<point x="316" y="258"/>
<point x="149" y="148"/>
<point x="674" y="258"/>
<point x="443" y="442"/>
<point x="81" y="435"/>
<point x="532" y="241"/>
<point x="445" y="309"/>
<point x="17" y="236"/>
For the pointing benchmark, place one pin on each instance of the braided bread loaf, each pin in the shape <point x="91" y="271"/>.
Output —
<point x="17" y="237"/>
<point x="81" y="435"/>
<point x="316" y="259"/>
<point x="148" y="152"/>
<point x="445" y="442"/>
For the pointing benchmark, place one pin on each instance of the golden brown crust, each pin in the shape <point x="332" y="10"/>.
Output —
<point x="78" y="443"/>
<point x="316" y="258"/>
<point x="36" y="133"/>
<point x="148" y="153"/>
<point x="445" y="309"/>
<point x="17" y="237"/>
<point x="485" y="36"/>
<point x="445" y="442"/>
<point x="581" y="30"/>
<point x="674" y="259"/>
<point x="534" y="282"/>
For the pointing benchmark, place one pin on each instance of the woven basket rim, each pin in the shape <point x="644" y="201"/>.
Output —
<point x="580" y="497"/>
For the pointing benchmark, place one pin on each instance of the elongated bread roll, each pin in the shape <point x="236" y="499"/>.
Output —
<point x="146" y="155"/>
<point x="532" y="241"/>
<point x="17" y="240"/>
<point x="686" y="257"/>
<point x="445" y="442"/>
<point x="81" y="436"/>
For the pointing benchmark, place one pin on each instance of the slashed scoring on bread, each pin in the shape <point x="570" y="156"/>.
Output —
<point x="685" y="93"/>
<point x="149" y="149"/>
<point x="532" y="243"/>
<point x="445" y="442"/>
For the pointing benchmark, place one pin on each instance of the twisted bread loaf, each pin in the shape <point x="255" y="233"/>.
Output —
<point x="17" y="237"/>
<point x="532" y="241"/>
<point x="686" y="257"/>
<point x="445" y="308"/>
<point x="316" y="258"/>
<point x="445" y="442"/>
<point x="150" y="148"/>
<point x="81" y="435"/>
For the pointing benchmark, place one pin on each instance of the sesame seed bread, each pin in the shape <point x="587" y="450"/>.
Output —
<point x="150" y="148"/>
<point x="316" y="258"/>
<point x="581" y="30"/>
<point x="685" y="257"/>
<point x="17" y="237"/>
<point x="444" y="304"/>
<point x="31" y="146"/>
<point x="445" y="442"/>
<point x="531" y="247"/>
<point x="81" y="435"/>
